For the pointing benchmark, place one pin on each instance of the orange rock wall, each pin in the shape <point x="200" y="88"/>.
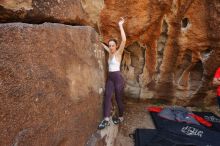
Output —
<point x="177" y="36"/>
<point x="52" y="74"/>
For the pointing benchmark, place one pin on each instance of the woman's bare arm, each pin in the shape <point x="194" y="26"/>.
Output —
<point x="123" y="36"/>
<point x="106" y="48"/>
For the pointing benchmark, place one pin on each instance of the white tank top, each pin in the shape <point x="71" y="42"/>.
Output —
<point x="113" y="64"/>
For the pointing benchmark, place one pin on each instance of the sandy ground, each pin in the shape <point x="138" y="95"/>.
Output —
<point x="135" y="116"/>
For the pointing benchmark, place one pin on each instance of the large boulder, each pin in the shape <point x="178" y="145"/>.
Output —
<point x="52" y="77"/>
<point x="74" y="12"/>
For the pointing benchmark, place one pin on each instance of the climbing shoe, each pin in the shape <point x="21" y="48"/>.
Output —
<point x="117" y="120"/>
<point x="103" y="124"/>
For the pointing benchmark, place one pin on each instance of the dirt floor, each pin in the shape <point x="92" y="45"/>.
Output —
<point x="135" y="116"/>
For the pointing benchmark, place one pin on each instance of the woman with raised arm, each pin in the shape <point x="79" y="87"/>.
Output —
<point x="115" y="82"/>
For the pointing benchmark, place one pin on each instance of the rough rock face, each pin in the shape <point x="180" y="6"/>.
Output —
<point x="210" y="57"/>
<point x="51" y="77"/>
<point x="178" y="41"/>
<point x="74" y="12"/>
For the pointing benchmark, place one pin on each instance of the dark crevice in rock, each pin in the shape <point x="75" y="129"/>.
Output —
<point x="9" y="16"/>
<point x="161" y="43"/>
<point x="196" y="75"/>
<point x="185" y="22"/>
<point x="137" y="60"/>
<point x="132" y="66"/>
<point x="206" y="53"/>
<point x="143" y="60"/>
